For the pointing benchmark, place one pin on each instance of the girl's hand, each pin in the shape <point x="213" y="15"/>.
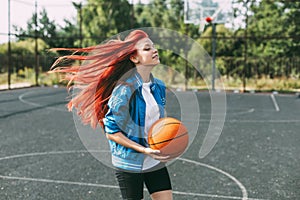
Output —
<point x="156" y="154"/>
<point x="121" y="139"/>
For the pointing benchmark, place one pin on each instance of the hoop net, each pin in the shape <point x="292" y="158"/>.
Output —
<point x="196" y="12"/>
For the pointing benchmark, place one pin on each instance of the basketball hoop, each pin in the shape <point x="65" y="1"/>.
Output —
<point x="209" y="19"/>
<point x="202" y="25"/>
<point x="204" y="22"/>
<point x="197" y="11"/>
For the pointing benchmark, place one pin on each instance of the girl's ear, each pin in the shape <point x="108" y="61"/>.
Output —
<point x="134" y="59"/>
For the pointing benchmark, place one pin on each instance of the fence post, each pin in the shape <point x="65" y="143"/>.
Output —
<point x="9" y="50"/>
<point x="36" y="48"/>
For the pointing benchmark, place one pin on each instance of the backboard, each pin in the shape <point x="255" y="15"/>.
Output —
<point x="196" y="12"/>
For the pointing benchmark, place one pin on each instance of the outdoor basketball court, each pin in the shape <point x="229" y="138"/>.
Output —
<point x="255" y="158"/>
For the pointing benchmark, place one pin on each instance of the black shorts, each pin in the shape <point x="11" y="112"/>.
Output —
<point x="132" y="184"/>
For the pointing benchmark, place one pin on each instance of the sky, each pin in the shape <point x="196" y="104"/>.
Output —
<point x="22" y="10"/>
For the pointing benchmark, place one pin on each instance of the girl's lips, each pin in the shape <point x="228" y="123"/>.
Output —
<point x="155" y="56"/>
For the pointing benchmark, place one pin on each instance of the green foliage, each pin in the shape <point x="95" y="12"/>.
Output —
<point x="25" y="47"/>
<point x="46" y="28"/>
<point x="68" y="35"/>
<point x="223" y="46"/>
<point x="272" y="29"/>
<point x="103" y="19"/>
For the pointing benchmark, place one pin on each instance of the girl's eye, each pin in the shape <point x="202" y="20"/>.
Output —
<point x="147" y="49"/>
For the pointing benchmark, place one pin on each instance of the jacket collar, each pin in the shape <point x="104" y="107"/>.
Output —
<point x="139" y="81"/>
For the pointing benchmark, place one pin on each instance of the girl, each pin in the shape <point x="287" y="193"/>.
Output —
<point x="119" y="93"/>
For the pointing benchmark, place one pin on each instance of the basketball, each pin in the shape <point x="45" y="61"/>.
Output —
<point x="169" y="135"/>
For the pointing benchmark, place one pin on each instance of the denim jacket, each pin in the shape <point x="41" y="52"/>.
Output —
<point x="126" y="114"/>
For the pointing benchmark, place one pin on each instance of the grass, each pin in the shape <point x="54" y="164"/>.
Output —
<point x="265" y="84"/>
<point x="27" y="76"/>
<point x="228" y="83"/>
<point x="283" y="85"/>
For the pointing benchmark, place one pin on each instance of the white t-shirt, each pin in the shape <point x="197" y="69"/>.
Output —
<point x="151" y="116"/>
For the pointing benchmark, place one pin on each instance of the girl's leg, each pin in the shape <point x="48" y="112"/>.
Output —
<point x="131" y="185"/>
<point x="162" y="195"/>
<point x="159" y="184"/>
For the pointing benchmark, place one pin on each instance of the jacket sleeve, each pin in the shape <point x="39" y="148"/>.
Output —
<point x="118" y="110"/>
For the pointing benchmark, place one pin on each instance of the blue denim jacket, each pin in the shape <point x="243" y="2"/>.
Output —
<point x="126" y="114"/>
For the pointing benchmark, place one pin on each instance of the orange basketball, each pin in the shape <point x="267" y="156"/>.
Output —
<point x="169" y="135"/>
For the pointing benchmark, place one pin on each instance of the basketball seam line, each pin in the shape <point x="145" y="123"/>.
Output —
<point x="172" y="123"/>
<point x="170" y="139"/>
<point x="169" y="123"/>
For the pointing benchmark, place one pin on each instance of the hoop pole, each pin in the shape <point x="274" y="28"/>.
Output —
<point x="186" y="62"/>
<point x="213" y="55"/>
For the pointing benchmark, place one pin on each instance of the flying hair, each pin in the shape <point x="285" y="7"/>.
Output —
<point x="102" y="67"/>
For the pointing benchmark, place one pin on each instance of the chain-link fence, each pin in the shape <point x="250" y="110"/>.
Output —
<point x="23" y="72"/>
<point x="256" y="74"/>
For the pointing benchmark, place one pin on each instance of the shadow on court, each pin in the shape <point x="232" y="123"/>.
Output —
<point x="255" y="158"/>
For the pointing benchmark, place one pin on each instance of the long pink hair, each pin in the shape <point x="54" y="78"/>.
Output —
<point x="102" y="67"/>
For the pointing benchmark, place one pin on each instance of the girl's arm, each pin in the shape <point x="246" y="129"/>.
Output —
<point x="121" y="139"/>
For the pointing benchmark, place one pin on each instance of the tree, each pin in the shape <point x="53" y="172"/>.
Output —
<point x="142" y="15"/>
<point x="103" y="19"/>
<point x="46" y="29"/>
<point x="68" y="35"/>
<point x="266" y="24"/>
<point x="291" y="22"/>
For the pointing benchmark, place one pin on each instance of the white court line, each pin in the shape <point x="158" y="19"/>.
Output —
<point x="245" y="195"/>
<point x="21" y="98"/>
<point x="212" y="195"/>
<point x="275" y="102"/>
<point x="45" y="153"/>
<point x="58" y="182"/>
<point x="251" y="110"/>
<point x="112" y="186"/>
<point x="257" y="121"/>
<point x="241" y="186"/>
